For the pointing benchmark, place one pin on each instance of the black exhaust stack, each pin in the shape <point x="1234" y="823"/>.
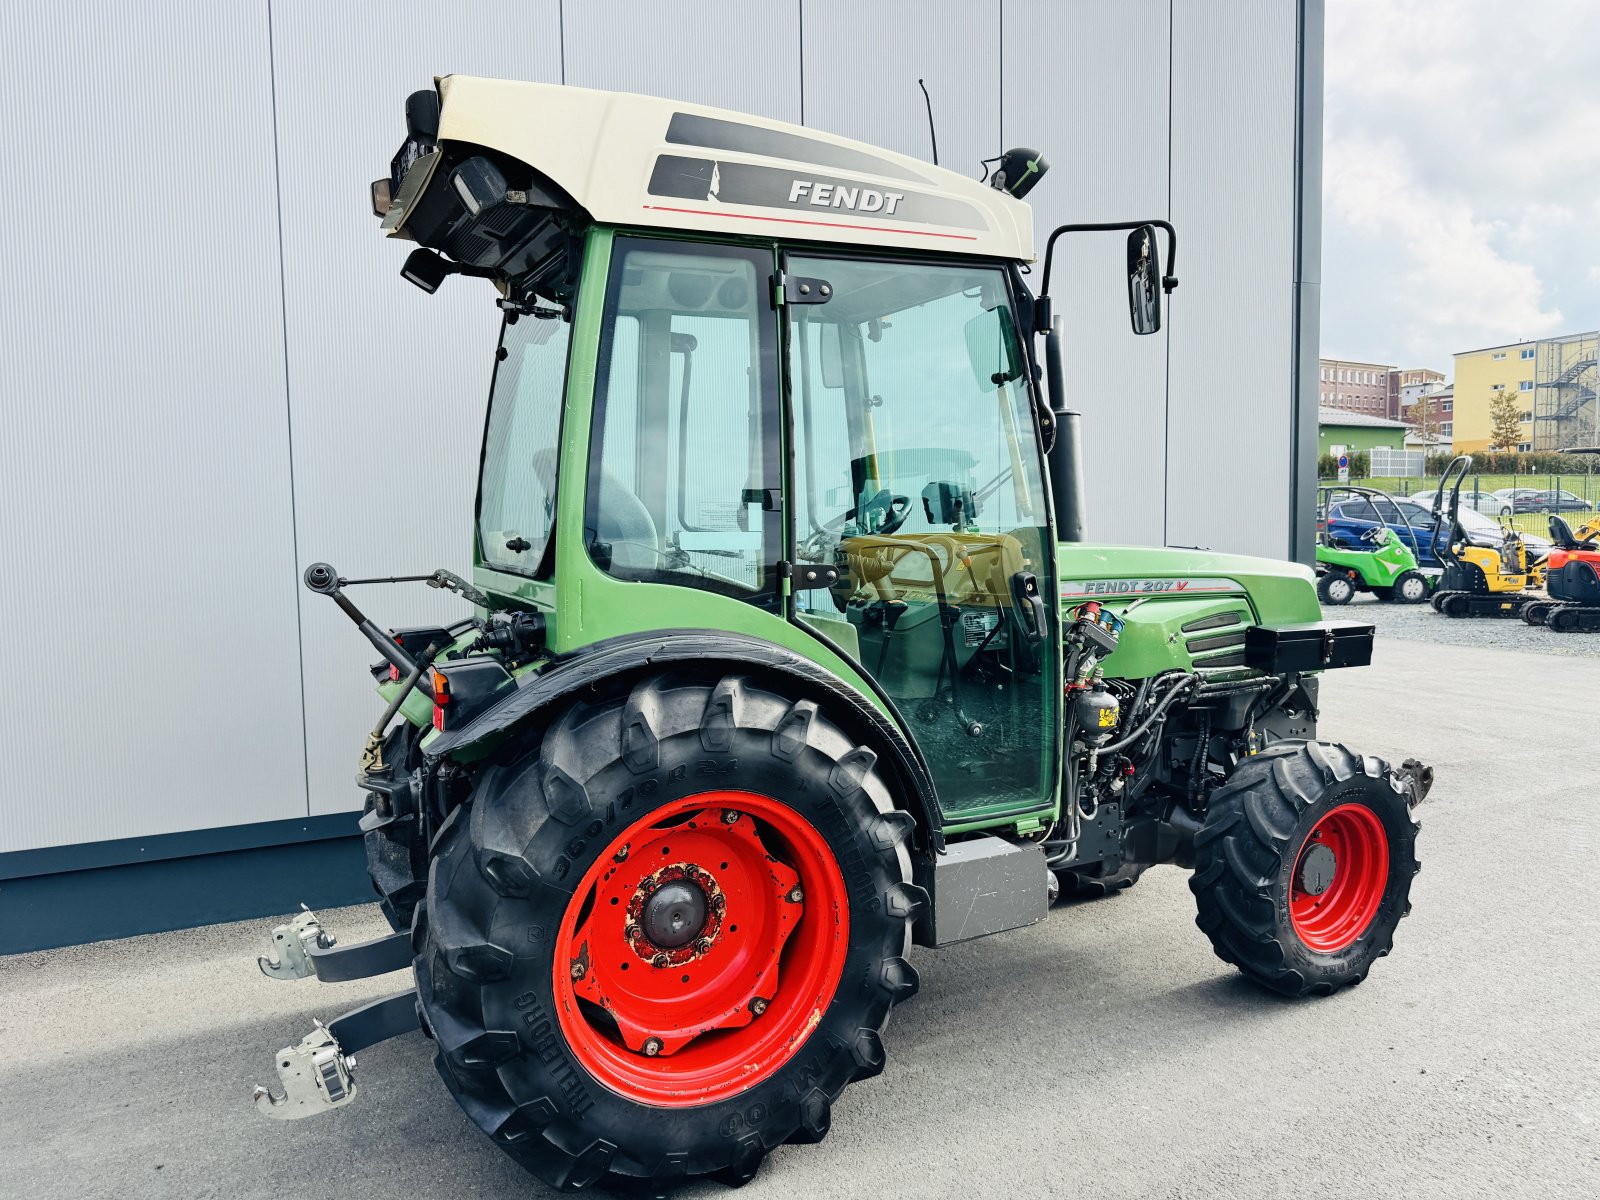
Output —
<point x="1066" y="453"/>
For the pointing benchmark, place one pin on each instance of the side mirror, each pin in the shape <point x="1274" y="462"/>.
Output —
<point x="1144" y="280"/>
<point x="992" y="348"/>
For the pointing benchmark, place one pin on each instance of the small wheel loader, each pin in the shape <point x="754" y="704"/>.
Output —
<point x="784" y="648"/>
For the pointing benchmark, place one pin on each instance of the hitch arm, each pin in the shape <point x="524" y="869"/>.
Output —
<point x="324" y="580"/>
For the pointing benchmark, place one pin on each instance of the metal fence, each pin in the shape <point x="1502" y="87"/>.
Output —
<point x="1523" y="501"/>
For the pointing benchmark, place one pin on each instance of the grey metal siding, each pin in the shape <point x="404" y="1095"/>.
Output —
<point x="1099" y="112"/>
<point x="862" y="63"/>
<point x="215" y="375"/>
<point x="149" y="592"/>
<point x="386" y="384"/>
<point x="1233" y="191"/>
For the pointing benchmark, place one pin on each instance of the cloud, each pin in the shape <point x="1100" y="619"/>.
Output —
<point x="1461" y="175"/>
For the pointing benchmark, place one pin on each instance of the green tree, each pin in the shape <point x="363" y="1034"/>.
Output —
<point x="1505" y="421"/>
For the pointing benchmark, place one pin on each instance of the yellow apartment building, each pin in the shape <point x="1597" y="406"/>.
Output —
<point x="1480" y="376"/>
<point x="1554" y="383"/>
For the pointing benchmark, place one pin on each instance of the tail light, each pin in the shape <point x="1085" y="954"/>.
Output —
<point x="441" y="699"/>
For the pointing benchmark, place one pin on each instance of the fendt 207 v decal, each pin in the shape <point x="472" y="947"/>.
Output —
<point x="1078" y="589"/>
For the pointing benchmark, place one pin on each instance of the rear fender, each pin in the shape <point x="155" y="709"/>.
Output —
<point x="617" y="661"/>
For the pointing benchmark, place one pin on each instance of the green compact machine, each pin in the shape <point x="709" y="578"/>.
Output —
<point x="1374" y="559"/>
<point x="784" y="646"/>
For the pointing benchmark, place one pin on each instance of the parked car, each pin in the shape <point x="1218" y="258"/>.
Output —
<point x="1346" y="519"/>
<point x="1483" y="502"/>
<point x="1557" y="500"/>
<point x="1517" y="500"/>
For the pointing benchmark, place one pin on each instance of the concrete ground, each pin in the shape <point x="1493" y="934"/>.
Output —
<point x="1104" y="1052"/>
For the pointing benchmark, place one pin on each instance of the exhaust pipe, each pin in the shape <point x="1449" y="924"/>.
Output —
<point x="1066" y="454"/>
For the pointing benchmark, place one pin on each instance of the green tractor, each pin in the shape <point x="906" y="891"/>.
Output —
<point x="786" y="650"/>
<point x="1374" y="558"/>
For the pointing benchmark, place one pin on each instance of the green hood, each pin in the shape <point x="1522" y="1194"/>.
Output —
<point x="1184" y="608"/>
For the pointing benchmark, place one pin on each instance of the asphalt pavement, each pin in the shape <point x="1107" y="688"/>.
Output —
<point x="1104" y="1052"/>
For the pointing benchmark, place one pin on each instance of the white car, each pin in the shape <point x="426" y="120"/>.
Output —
<point x="1483" y="502"/>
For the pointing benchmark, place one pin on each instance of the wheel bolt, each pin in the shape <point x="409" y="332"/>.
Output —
<point x="702" y="946"/>
<point x="795" y="896"/>
<point x="730" y="816"/>
<point x="661" y="960"/>
<point x="719" y="902"/>
<point x="758" y="1006"/>
<point x="579" y="970"/>
<point x="651" y="1047"/>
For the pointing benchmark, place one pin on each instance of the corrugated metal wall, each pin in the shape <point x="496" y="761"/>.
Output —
<point x="214" y="367"/>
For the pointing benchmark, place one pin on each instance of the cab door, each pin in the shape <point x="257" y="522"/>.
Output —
<point x="916" y="475"/>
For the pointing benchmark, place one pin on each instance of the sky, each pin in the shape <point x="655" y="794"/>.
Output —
<point x="1461" y="176"/>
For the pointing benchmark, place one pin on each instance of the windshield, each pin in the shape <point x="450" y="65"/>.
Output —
<point x="517" y="489"/>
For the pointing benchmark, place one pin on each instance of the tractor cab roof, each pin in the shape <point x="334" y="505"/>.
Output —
<point x="622" y="159"/>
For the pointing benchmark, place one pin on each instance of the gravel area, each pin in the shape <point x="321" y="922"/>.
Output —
<point x="1419" y="623"/>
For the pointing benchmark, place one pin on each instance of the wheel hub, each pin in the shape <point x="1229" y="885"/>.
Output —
<point x="674" y="914"/>
<point x="1316" y="869"/>
<point x="1339" y="878"/>
<point x="685" y="932"/>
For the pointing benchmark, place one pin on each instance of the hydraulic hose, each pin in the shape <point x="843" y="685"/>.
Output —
<point x="1183" y="682"/>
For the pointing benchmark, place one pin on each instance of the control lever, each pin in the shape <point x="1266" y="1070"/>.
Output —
<point x="1030" y="606"/>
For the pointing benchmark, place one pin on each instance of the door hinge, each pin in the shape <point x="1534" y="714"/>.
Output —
<point x="800" y="289"/>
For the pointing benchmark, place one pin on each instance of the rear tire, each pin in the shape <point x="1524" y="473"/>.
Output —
<point x="1335" y="588"/>
<point x="397" y="853"/>
<point x="1296" y="817"/>
<point x="521" y="955"/>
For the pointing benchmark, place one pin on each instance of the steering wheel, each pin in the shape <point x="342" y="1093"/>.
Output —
<point x="884" y="513"/>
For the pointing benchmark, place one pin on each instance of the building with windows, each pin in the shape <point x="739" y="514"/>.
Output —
<point x="1412" y="382"/>
<point x="1361" y="387"/>
<point x="1432" y="414"/>
<point x="1554" y="382"/>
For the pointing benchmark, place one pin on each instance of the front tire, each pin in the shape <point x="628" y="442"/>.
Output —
<point x="1335" y="588"/>
<point x="607" y="1008"/>
<point x="1411" y="587"/>
<point x="1090" y="883"/>
<point x="1303" y="868"/>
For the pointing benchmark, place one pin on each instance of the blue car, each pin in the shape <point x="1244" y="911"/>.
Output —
<point x="1348" y="517"/>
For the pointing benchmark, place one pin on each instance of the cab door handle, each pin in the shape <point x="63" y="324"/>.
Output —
<point x="1030" y="606"/>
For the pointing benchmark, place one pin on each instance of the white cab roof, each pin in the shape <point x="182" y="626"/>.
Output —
<point x="641" y="161"/>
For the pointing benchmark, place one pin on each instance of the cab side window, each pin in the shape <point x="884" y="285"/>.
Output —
<point x="684" y="478"/>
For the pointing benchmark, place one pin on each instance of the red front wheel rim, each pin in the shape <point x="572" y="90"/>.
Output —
<point x="1332" y="902"/>
<point x="701" y="949"/>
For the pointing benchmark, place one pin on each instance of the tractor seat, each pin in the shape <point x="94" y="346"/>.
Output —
<point x="1561" y="534"/>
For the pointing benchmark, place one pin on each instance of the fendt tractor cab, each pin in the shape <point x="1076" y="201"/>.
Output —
<point x="785" y="648"/>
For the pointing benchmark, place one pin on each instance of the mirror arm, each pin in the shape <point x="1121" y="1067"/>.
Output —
<point x="1168" y="281"/>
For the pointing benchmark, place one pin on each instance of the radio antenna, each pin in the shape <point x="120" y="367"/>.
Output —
<point x="932" y="136"/>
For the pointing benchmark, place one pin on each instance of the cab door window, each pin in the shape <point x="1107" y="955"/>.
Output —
<point x="684" y="478"/>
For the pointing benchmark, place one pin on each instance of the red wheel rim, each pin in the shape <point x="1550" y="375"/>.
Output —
<point x="1338" y="914"/>
<point x="691" y="1023"/>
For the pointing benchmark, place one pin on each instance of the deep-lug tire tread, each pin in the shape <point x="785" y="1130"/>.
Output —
<point x="493" y="858"/>
<point x="1245" y="851"/>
